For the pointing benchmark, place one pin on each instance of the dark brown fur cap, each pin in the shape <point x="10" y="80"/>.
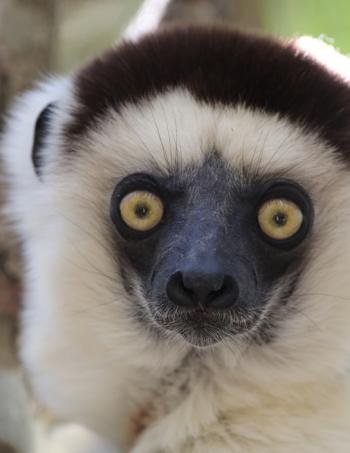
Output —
<point x="218" y="66"/>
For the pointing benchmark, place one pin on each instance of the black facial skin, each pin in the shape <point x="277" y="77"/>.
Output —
<point x="207" y="270"/>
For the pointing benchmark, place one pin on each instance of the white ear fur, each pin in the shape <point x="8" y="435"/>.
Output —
<point x="17" y="141"/>
<point x="326" y="55"/>
<point x="147" y="19"/>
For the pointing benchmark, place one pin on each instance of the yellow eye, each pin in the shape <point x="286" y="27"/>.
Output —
<point x="280" y="218"/>
<point x="141" y="210"/>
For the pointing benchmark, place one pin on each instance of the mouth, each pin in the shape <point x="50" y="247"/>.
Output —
<point x="201" y="327"/>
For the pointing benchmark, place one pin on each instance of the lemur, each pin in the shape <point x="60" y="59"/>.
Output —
<point x="183" y="201"/>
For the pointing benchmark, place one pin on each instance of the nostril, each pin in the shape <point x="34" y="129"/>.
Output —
<point x="226" y="296"/>
<point x="178" y="293"/>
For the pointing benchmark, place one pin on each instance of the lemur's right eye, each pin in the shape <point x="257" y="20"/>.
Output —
<point x="141" y="210"/>
<point x="138" y="206"/>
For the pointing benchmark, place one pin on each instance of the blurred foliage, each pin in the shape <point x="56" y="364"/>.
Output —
<point x="87" y="26"/>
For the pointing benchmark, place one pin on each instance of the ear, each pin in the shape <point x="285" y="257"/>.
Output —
<point x="148" y="18"/>
<point x="41" y="131"/>
<point x="325" y="55"/>
<point x="31" y="132"/>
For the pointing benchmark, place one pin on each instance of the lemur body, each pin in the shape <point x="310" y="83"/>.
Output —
<point x="203" y="330"/>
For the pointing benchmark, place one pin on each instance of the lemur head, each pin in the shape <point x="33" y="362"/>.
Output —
<point x="187" y="192"/>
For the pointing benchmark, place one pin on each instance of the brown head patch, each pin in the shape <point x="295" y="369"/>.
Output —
<point x="217" y="66"/>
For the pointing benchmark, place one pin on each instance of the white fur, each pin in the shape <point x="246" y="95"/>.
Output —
<point x="87" y="359"/>
<point x="147" y="19"/>
<point x="326" y="55"/>
<point x="69" y="438"/>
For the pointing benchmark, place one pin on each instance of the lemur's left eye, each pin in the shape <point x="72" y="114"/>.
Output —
<point x="141" y="210"/>
<point x="280" y="218"/>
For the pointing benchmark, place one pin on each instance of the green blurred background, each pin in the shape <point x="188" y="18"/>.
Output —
<point x="88" y="25"/>
<point x="310" y="17"/>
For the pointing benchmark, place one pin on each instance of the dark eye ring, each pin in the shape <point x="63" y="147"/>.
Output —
<point x="137" y="206"/>
<point x="284" y="214"/>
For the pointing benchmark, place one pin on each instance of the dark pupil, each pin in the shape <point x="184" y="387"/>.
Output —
<point x="280" y="219"/>
<point x="141" y="211"/>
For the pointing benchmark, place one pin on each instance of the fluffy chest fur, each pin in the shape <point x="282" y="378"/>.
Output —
<point x="195" y="410"/>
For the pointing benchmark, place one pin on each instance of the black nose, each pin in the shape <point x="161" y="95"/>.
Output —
<point x="204" y="290"/>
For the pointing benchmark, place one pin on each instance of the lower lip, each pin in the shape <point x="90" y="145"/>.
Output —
<point x="202" y="317"/>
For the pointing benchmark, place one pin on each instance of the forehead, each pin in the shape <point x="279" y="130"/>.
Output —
<point x="174" y="130"/>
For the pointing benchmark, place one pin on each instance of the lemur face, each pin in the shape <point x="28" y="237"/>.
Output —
<point x="216" y="161"/>
<point x="213" y="251"/>
<point x="189" y="192"/>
